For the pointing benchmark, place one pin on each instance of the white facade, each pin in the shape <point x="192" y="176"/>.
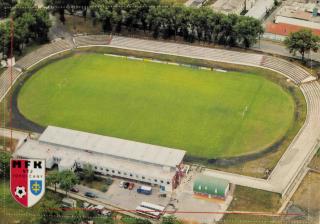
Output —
<point x="59" y="146"/>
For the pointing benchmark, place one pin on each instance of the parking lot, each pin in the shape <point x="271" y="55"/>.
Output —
<point x="182" y="202"/>
<point x="124" y="198"/>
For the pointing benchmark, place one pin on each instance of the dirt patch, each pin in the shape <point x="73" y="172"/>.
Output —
<point x="315" y="162"/>
<point x="307" y="197"/>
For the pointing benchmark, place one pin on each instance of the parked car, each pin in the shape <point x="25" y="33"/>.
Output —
<point x="99" y="208"/>
<point x="85" y="205"/>
<point x="126" y="185"/>
<point x="91" y="207"/>
<point x="90" y="194"/>
<point x="68" y="203"/>
<point x="106" y="212"/>
<point x="74" y="189"/>
<point x="147" y="190"/>
<point x="131" y="185"/>
<point x="121" y="184"/>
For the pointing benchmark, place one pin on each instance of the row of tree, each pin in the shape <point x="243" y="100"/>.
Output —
<point x="30" y="23"/>
<point x="167" y="20"/>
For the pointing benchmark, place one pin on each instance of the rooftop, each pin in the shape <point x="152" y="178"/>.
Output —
<point x="210" y="185"/>
<point x="112" y="146"/>
<point x="228" y="6"/>
<point x="258" y="11"/>
<point x="297" y="22"/>
<point x="40" y="150"/>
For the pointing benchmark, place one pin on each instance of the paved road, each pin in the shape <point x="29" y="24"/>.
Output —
<point x="278" y="48"/>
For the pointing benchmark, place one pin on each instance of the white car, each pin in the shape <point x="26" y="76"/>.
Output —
<point x="121" y="184"/>
<point x="85" y="205"/>
<point x="106" y="212"/>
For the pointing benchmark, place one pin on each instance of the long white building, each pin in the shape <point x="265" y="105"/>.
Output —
<point x="70" y="149"/>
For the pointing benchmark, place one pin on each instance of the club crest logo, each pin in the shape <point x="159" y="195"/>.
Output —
<point x="27" y="180"/>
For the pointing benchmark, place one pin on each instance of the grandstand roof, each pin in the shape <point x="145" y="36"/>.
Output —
<point x="112" y="146"/>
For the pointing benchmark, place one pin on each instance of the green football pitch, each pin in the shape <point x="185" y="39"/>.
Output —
<point x="207" y="113"/>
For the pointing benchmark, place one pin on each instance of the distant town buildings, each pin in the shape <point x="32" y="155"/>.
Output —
<point x="295" y="15"/>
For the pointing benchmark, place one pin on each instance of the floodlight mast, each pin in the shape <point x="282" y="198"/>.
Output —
<point x="11" y="80"/>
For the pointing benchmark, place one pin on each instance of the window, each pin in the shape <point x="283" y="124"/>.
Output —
<point x="161" y="181"/>
<point x="96" y="167"/>
<point x="112" y="171"/>
<point x="125" y="173"/>
<point x="168" y="182"/>
<point x="101" y="168"/>
<point x="137" y="176"/>
<point x="107" y="170"/>
<point x="143" y="177"/>
<point x="155" y="180"/>
<point x="131" y="175"/>
<point x="119" y="172"/>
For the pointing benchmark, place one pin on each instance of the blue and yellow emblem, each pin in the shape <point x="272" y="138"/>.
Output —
<point x="36" y="186"/>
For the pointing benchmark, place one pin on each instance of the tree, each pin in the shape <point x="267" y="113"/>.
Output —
<point x="248" y="30"/>
<point x="70" y="5"/>
<point x="49" y="215"/>
<point x="88" y="172"/>
<point x="53" y="178"/>
<point x="170" y="220"/>
<point x="166" y="19"/>
<point x="103" y="10"/>
<point x="5" y="164"/>
<point x="78" y="216"/>
<point x="303" y="42"/>
<point x="30" y="24"/>
<point x="42" y="25"/>
<point x="5" y="7"/>
<point x="67" y="180"/>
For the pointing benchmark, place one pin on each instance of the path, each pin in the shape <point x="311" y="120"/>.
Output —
<point x="278" y="48"/>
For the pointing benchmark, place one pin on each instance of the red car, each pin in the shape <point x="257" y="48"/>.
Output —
<point x="131" y="185"/>
<point x="74" y="189"/>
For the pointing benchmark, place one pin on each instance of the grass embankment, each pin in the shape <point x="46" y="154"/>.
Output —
<point x="253" y="200"/>
<point x="306" y="199"/>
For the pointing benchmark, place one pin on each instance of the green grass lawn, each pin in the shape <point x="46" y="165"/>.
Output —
<point x="208" y="114"/>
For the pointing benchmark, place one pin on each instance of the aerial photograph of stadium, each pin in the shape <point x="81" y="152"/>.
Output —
<point x="160" y="111"/>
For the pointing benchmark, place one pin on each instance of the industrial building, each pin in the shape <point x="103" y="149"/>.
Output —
<point x="211" y="187"/>
<point x="295" y="15"/>
<point x="70" y="150"/>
